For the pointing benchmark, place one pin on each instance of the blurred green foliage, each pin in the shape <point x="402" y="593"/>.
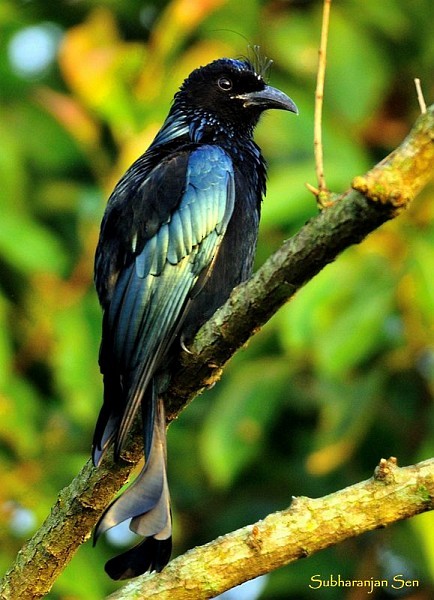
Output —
<point x="342" y="376"/>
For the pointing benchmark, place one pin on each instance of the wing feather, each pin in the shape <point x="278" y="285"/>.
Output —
<point x="186" y="226"/>
<point x="176" y="246"/>
<point x="150" y="295"/>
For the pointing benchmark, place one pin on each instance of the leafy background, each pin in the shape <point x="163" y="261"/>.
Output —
<point x="342" y="376"/>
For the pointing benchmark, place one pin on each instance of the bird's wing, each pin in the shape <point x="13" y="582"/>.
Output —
<point x="172" y="248"/>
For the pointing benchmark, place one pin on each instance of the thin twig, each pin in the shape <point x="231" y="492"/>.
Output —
<point x="420" y="97"/>
<point x="319" y="95"/>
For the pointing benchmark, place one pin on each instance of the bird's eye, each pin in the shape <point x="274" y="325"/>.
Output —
<point x="225" y="84"/>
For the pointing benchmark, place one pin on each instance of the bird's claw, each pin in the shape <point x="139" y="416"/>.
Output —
<point x="183" y="345"/>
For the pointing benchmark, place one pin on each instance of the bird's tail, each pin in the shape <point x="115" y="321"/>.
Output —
<point x="147" y="503"/>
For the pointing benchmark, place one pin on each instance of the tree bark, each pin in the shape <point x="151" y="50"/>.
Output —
<point x="307" y="526"/>
<point x="374" y="198"/>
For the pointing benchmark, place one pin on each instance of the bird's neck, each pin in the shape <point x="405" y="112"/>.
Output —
<point x="180" y="129"/>
<point x="174" y="128"/>
<point x="202" y="128"/>
<point x="206" y="128"/>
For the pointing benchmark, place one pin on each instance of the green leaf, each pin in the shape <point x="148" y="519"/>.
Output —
<point x="348" y="409"/>
<point x="422" y="261"/>
<point x="30" y="247"/>
<point x="20" y="407"/>
<point x="357" y="332"/>
<point x="6" y="351"/>
<point x="357" y="72"/>
<point x="12" y="174"/>
<point x="234" y="431"/>
<point x="75" y="362"/>
<point x="83" y="577"/>
<point x="339" y="319"/>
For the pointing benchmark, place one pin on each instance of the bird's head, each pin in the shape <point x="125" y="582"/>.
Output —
<point x="230" y="92"/>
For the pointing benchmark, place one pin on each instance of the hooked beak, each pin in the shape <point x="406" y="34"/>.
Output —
<point x="269" y="97"/>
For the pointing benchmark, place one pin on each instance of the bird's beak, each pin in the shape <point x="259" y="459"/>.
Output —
<point x="269" y="97"/>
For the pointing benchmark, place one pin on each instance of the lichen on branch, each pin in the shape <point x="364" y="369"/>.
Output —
<point x="307" y="526"/>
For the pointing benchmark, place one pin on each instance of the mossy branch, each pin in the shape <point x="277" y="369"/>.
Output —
<point x="374" y="198"/>
<point x="307" y="526"/>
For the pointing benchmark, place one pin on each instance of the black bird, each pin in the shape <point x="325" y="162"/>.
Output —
<point x="178" y="234"/>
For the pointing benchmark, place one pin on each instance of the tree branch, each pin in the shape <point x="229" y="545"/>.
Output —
<point x="307" y="526"/>
<point x="374" y="198"/>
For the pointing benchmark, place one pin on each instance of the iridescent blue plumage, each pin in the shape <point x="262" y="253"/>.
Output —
<point x="178" y="234"/>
